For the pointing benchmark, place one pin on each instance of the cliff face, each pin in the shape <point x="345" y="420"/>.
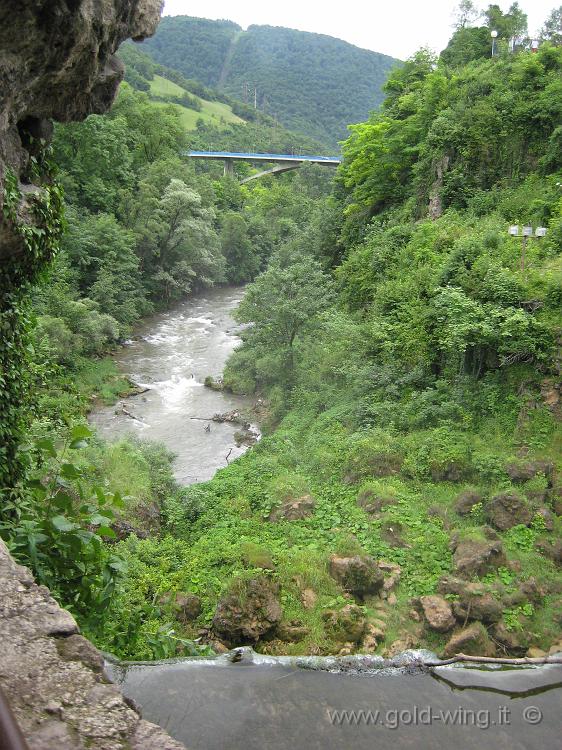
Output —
<point x="57" y="62"/>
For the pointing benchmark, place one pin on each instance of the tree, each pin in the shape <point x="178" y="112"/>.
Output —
<point x="552" y="28"/>
<point x="466" y="14"/>
<point x="103" y="253"/>
<point x="177" y="242"/>
<point x="242" y="263"/>
<point x="281" y="303"/>
<point x="508" y="25"/>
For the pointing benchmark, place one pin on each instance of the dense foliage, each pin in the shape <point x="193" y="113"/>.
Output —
<point x="143" y="230"/>
<point x="303" y="79"/>
<point x="407" y="360"/>
<point x="406" y="351"/>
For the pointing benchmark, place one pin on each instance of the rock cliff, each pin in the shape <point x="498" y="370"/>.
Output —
<point x="57" y="62"/>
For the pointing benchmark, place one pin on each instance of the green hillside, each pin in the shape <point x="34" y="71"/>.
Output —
<point x="313" y="83"/>
<point x="215" y="113"/>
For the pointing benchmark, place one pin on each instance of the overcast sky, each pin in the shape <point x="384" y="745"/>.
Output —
<point x="395" y="27"/>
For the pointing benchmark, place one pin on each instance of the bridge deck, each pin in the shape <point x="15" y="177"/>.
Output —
<point x="281" y="158"/>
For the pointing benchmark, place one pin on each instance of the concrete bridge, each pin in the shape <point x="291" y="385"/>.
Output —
<point x="284" y="162"/>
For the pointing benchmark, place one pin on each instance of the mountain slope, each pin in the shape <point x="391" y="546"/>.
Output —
<point x="312" y="83"/>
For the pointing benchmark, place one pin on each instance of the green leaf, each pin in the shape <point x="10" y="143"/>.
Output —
<point x="69" y="471"/>
<point x="77" y="444"/>
<point x="107" y="531"/>
<point x="61" y="523"/>
<point x="78" y="435"/>
<point x="62" y="501"/>
<point x="47" y="447"/>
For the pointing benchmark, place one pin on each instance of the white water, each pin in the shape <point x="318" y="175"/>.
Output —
<point x="171" y="355"/>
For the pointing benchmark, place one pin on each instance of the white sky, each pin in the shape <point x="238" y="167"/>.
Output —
<point x="395" y="27"/>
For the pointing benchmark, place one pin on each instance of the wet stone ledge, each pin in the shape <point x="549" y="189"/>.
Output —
<point x="53" y="677"/>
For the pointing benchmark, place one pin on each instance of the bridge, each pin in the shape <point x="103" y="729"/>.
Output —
<point x="285" y="162"/>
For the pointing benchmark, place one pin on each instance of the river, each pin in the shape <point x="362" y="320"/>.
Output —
<point x="171" y="355"/>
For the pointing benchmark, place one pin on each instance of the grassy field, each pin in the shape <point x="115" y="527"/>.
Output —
<point x="213" y="112"/>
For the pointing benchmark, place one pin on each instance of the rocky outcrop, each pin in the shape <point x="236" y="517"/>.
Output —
<point x="551" y="549"/>
<point x="346" y="624"/>
<point x="471" y="640"/>
<point x="293" y="510"/>
<point x="57" y="62"/>
<point x="187" y="606"/>
<point x="438" y="613"/>
<point x="506" y="510"/>
<point x="250" y="610"/>
<point x="360" y="574"/>
<point x="477" y="557"/>
<point x="54" y="678"/>
<point x="522" y="471"/>
<point x="466" y="501"/>
<point x="483" y="607"/>
<point x="372" y="503"/>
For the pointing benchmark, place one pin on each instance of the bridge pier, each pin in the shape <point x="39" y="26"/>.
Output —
<point x="229" y="167"/>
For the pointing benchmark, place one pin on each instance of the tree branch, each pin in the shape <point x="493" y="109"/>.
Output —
<point x="493" y="660"/>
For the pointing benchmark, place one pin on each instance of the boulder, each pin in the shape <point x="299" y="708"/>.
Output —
<point x="391" y="533"/>
<point x="248" y="611"/>
<point x="291" y="632"/>
<point x="294" y="509"/>
<point x="372" y="638"/>
<point x="481" y="607"/>
<point x="372" y="503"/>
<point x="400" y="645"/>
<point x="529" y="591"/>
<point x="472" y="640"/>
<point x="437" y="612"/>
<point x="506" y="510"/>
<point x="551" y="549"/>
<point x="391" y="572"/>
<point x="452" y="585"/>
<point x="511" y="641"/>
<point x="346" y="624"/>
<point x="359" y="574"/>
<point x="536" y="653"/>
<point x="522" y="471"/>
<point x="477" y="557"/>
<point x="466" y="501"/>
<point x="186" y="605"/>
<point x="309" y="598"/>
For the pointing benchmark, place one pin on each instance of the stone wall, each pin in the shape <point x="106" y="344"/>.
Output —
<point x="54" y="678"/>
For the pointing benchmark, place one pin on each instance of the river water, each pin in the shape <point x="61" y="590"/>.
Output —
<point x="171" y="355"/>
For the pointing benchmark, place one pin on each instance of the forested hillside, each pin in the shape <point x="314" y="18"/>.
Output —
<point x="404" y="348"/>
<point x="411" y="361"/>
<point x="313" y="84"/>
